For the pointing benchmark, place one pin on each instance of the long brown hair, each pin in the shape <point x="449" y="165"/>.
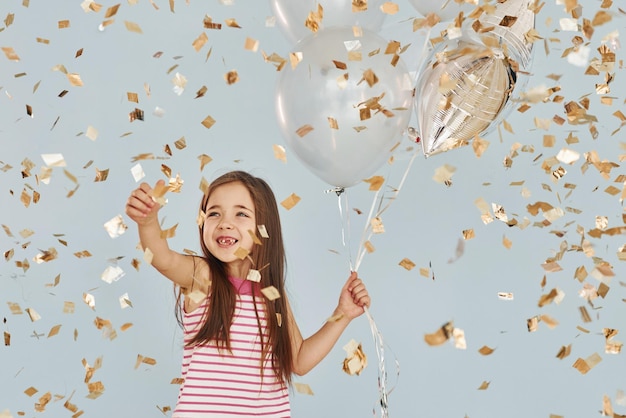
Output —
<point x="270" y="257"/>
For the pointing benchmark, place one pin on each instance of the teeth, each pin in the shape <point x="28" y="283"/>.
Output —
<point x="226" y="241"/>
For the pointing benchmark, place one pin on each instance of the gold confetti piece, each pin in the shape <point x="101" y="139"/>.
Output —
<point x="251" y="45"/>
<point x="506" y="243"/>
<point x="54" y="331"/>
<point x="136" y="114"/>
<point x="444" y="173"/>
<point x="468" y="234"/>
<point x="169" y="233"/>
<point x="332" y="123"/>
<point x="377" y="225"/>
<point x="34" y="316"/>
<point x="53" y="160"/>
<point x="232" y="23"/>
<point x="263" y="231"/>
<point x="125" y="301"/>
<point x="241" y="253"/>
<point x="270" y="292"/>
<point x="175" y="184"/>
<point x="355" y="360"/>
<point x="200" y="41"/>
<point x="10" y="53"/>
<point x="505" y="295"/>
<point x="407" y="264"/>
<point x="7" y="341"/>
<point x="459" y="339"/>
<point x="485" y="350"/>
<point x="63" y="24"/>
<point x="369" y="247"/>
<point x="197" y="296"/>
<point x="442" y="335"/>
<point x="126" y="326"/>
<point x="375" y="182"/>
<point x="208" y="122"/>
<point x="25" y="198"/>
<point x="75" y="79"/>
<point x="68" y="307"/>
<point x="290" y="202"/>
<point x="533" y="323"/>
<point x="549" y="321"/>
<point x="336" y="317"/>
<point x="303" y="388"/>
<point x="564" y="351"/>
<point x="255" y="239"/>
<point x="390" y="8"/>
<point x="303" y="130"/>
<point x="253" y="276"/>
<point x="280" y="153"/>
<point x="484" y="385"/>
<point x="180" y="143"/>
<point x="116" y="226"/>
<point x="204" y="160"/>
<point x="15" y="308"/>
<point x="112" y="274"/>
<point x="132" y="27"/>
<point x="584" y="365"/>
<point x="177" y="381"/>
<point x="231" y="77"/>
<point x="31" y="391"/>
<point x="132" y="97"/>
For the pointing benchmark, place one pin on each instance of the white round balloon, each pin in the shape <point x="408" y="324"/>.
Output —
<point x="345" y="105"/>
<point x="292" y="15"/>
<point x="446" y="10"/>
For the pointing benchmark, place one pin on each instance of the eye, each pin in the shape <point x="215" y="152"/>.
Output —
<point x="212" y="214"/>
<point x="243" y="214"/>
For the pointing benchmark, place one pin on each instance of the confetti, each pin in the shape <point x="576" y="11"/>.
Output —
<point x="137" y="172"/>
<point x="303" y="388"/>
<point x="271" y="293"/>
<point x="208" y="122"/>
<point x="253" y="276"/>
<point x="407" y="264"/>
<point x="115" y="226"/>
<point x="355" y="360"/>
<point x="112" y="274"/>
<point x="290" y="202"/>
<point x="585" y="365"/>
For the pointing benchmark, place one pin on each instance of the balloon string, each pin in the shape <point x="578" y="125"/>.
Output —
<point x="377" y="336"/>
<point x="422" y="55"/>
<point x="366" y="236"/>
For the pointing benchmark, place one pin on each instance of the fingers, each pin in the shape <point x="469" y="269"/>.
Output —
<point x="140" y="204"/>
<point x="358" y="291"/>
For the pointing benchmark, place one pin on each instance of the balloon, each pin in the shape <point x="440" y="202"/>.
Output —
<point x="466" y="86"/>
<point x="512" y="35"/>
<point x="460" y="96"/>
<point x="292" y="16"/>
<point x="446" y="10"/>
<point x="345" y="104"/>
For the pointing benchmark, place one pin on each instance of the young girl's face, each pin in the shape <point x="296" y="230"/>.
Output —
<point x="229" y="217"/>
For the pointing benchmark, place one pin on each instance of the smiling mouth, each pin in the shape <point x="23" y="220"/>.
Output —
<point x="226" y="241"/>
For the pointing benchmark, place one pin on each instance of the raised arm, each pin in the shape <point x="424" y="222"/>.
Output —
<point x="307" y="353"/>
<point x="143" y="209"/>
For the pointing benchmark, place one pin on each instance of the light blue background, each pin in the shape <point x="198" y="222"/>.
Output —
<point x="423" y="224"/>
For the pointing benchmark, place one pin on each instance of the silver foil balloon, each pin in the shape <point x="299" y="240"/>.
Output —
<point x="512" y="37"/>
<point x="466" y="86"/>
<point x="460" y="94"/>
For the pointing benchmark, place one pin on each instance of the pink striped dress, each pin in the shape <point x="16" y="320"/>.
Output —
<point x="223" y="384"/>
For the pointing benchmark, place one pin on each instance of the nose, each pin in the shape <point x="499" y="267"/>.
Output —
<point x="225" y="224"/>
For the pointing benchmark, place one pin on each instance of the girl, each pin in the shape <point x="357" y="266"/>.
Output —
<point x="241" y="342"/>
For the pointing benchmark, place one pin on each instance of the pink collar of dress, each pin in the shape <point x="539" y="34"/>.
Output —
<point x="242" y="286"/>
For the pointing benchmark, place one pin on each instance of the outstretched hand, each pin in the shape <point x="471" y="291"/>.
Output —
<point x="140" y="206"/>
<point x="353" y="298"/>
